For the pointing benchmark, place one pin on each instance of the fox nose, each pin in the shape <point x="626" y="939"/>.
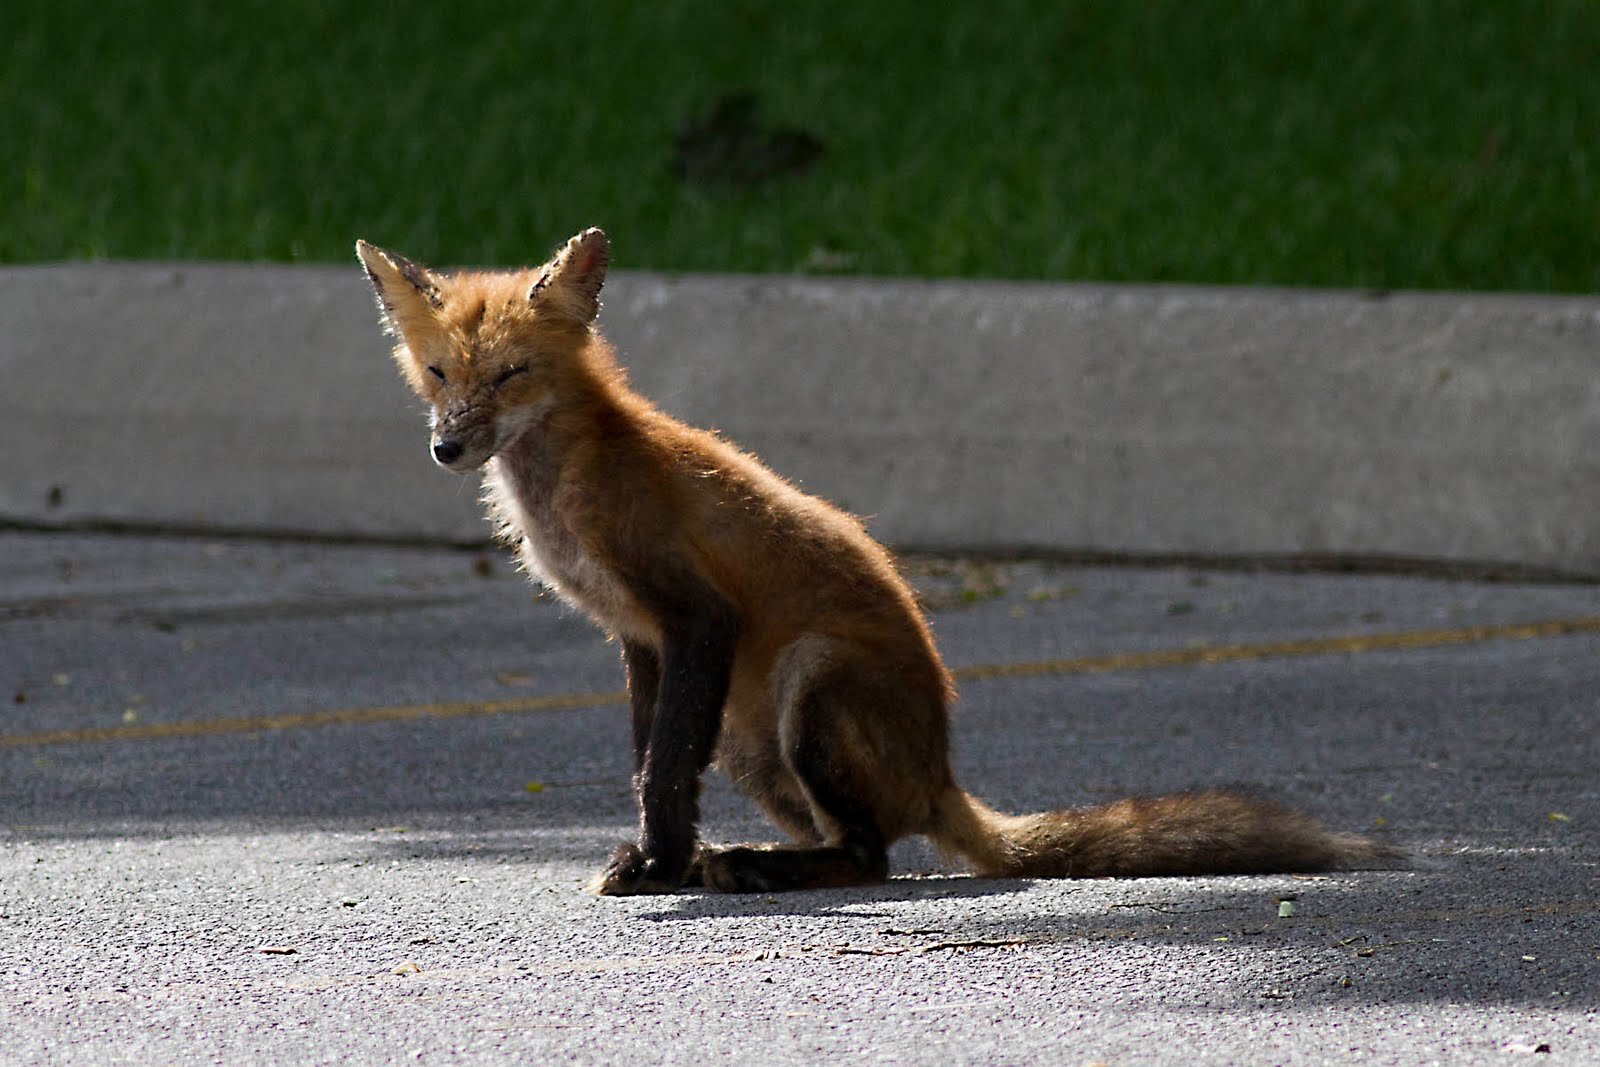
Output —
<point x="446" y="450"/>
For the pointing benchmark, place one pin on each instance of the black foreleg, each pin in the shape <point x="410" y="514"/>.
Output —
<point x="673" y="744"/>
<point x="644" y="691"/>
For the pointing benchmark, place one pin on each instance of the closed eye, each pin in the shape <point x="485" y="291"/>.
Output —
<point x="508" y="374"/>
<point x="436" y="372"/>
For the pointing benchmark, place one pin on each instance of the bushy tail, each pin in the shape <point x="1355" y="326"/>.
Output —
<point x="1183" y="834"/>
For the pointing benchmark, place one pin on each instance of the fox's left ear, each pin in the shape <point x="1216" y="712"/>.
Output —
<point x="571" y="284"/>
<point x="408" y="293"/>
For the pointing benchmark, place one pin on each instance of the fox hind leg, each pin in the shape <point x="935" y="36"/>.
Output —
<point x="762" y="775"/>
<point x="856" y="854"/>
<point x="825" y="756"/>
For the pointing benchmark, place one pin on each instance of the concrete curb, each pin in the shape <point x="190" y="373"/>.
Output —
<point x="1073" y="418"/>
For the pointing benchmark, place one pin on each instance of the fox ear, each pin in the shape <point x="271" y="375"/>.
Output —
<point x="408" y="293"/>
<point x="570" y="284"/>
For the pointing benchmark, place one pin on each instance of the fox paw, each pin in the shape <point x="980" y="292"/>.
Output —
<point x="630" y="873"/>
<point x="736" y="870"/>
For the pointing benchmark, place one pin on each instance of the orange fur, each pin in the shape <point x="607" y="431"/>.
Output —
<point x="759" y="625"/>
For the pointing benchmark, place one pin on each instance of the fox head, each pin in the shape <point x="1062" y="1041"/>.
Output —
<point x="489" y="351"/>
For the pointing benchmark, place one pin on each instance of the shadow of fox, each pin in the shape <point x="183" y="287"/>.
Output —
<point x="761" y="628"/>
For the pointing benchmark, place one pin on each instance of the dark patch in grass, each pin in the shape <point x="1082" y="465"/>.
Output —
<point x="729" y="144"/>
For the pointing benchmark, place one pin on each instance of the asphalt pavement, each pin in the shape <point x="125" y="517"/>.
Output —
<point x="280" y="801"/>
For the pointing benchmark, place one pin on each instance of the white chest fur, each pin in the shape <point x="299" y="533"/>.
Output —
<point x="521" y="489"/>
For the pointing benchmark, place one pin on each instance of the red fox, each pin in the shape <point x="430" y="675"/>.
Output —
<point x="760" y="627"/>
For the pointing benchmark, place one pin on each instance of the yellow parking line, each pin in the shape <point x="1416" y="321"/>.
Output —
<point x="1316" y="646"/>
<point x="248" y="724"/>
<point x="1131" y="661"/>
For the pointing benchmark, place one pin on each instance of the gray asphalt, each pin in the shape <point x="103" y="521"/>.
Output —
<point x="196" y="868"/>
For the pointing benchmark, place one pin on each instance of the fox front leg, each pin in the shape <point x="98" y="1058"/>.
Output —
<point x="677" y="698"/>
<point x="627" y="871"/>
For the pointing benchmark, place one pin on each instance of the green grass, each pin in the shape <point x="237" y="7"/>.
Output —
<point x="1388" y="143"/>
